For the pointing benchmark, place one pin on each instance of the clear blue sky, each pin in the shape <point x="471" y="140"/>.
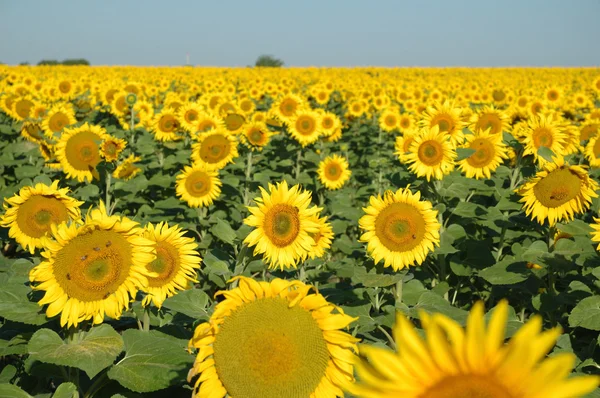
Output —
<point x="304" y="32"/>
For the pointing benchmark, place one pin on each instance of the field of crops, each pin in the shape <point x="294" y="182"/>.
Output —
<point x="311" y="232"/>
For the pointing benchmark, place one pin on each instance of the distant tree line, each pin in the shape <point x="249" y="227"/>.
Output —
<point x="68" y="61"/>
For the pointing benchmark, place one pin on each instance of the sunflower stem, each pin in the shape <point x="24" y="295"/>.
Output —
<point x="107" y="183"/>
<point x="132" y="126"/>
<point x="398" y="292"/>
<point x="298" y="158"/>
<point x="101" y="381"/>
<point x="146" y="319"/>
<point x="388" y="336"/>
<point x="248" y="175"/>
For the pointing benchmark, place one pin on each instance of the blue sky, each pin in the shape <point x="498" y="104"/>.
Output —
<point x="303" y="33"/>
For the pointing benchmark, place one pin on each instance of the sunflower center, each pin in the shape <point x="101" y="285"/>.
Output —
<point x="333" y="171"/>
<point x="288" y="107"/>
<point x="467" y="386"/>
<point x="405" y="123"/>
<point x="282" y="224"/>
<point x="93" y="265"/>
<point x="82" y="151"/>
<point x="168" y="123"/>
<point x="400" y="227"/>
<point x="557" y="188"/>
<point x="542" y="137"/>
<point x="327" y="123"/>
<point x="58" y="121"/>
<point x="165" y="265"/>
<point x="390" y="121"/>
<point x="484" y="153"/>
<point x="596" y="149"/>
<point x="38" y="213"/>
<point x="589" y="131"/>
<point x="268" y="349"/>
<point x="215" y="148"/>
<point x="305" y="125"/>
<point x="234" y="122"/>
<point x="431" y="153"/>
<point x="198" y="184"/>
<point x="23" y="108"/>
<point x="498" y="95"/>
<point x="255" y="136"/>
<point x="191" y="116"/>
<point x="489" y="121"/>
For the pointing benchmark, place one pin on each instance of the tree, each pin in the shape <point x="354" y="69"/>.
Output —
<point x="76" y="61"/>
<point x="48" y="62"/>
<point x="269" y="61"/>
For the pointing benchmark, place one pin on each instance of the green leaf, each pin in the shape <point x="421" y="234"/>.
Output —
<point x="464" y="153"/>
<point x="431" y="303"/>
<point x="373" y="279"/>
<point x="7" y="374"/>
<point x="15" y="346"/>
<point x="586" y="314"/>
<point x="192" y="302"/>
<point x="223" y="231"/>
<point x="535" y="251"/>
<point x="91" y="352"/>
<point x="15" y="306"/>
<point x="575" y="227"/>
<point x="66" y="390"/>
<point x="152" y="361"/>
<point x="26" y="171"/>
<point x="545" y="153"/>
<point x="12" y="391"/>
<point x="506" y="272"/>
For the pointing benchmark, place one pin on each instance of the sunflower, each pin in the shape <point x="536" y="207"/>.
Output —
<point x="400" y="228"/>
<point x="207" y="121"/>
<point x="356" y="107"/>
<point x="592" y="152"/>
<point x="165" y="126"/>
<point x="322" y="238"/>
<point x="92" y="269"/>
<point x="406" y="122"/>
<point x="588" y="130"/>
<point x="431" y="154"/>
<point x="489" y="153"/>
<point x="175" y="265"/>
<point x="329" y="123"/>
<point x="546" y="131"/>
<point x="452" y="362"/>
<point x="283" y="225"/>
<point x="78" y="151"/>
<point x="256" y="135"/>
<point x="558" y="192"/>
<point x="127" y="169"/>
<point x="188" y="116"/>
<point x="305" y="127"/>
<point x="111" y="148"/>
<point x="403" y="143"/>
<point x="287" y="106"/>
<point x="33" y="132"/>
<point x="389" y="120"/>
<point x="22" y="108"/>
<point x="215" y="149"/>
<point x="57" y="118"/>
<point x="490" y="118"/>
<point x="447" y="117"/>
<point x="553" y="95"/>
<point x="198" y="185"/>
<point x="334" y="172"/>
<point x="272" y="340"/>
<point x="31" y="213"/>
<point x="234" y="122"/>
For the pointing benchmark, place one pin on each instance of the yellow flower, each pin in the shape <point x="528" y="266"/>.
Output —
<point x="198" y="185"/>
<point x="431" y="155"/>
<point x="256" y="135"/>
<point x="175" y="265"/>
<point x="490" y="152"/>
<point x="273" y="340"/>
<point x="322" y="238"/>
<point x="305" y="127"/>
<point x="452" y="362"/>
<point x="92" y="270"/>
<point x="334" y="172"/>
<point x="283" y="225"/>
<point x="215" y="149"/>
<point x="57" y="118"/>
<point x="447" y="117"/>
<point x="166" y="126"/>
<point x="111" y="148"/>
<point x="31" y="213"/>
<point x="127" y="169"/>
<point x="400" y="228"/>
<point x="489" y="118"/>
<point x="78" y="151"/>
<point x="558" y="192"/>
<point x="543" y="131"/>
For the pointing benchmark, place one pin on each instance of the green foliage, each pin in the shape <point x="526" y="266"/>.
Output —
<point x="268" y="61"/>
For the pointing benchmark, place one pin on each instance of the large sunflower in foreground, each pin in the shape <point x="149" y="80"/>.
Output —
<point x="92" y="270"/>
<point x="400" y="228"/>
<point x="489" y="153"/>
<point x="31" y="213"/>
<point x="334" y="172"/>
<point x="283" y="225"/>
<point x="558" y="192"/>
<point x="273" y="340"/>
<point x="78" y="151"/>
<point x="450" y="361"/>
<point x="431" y="154"/>
<point x="175" y="265"/>
<point x="215" y="149"/>
<point x="198" y="185"/>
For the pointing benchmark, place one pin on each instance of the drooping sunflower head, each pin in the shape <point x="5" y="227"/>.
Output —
<point x="334" y="172"/>
<point x="215" y="149"/>
<point x="111" y="148"/>
<point x="447" y="117"/>
<point x="489" y="118"/>
<point x="283" y="222"/>
<point x="93" y="269"/>
<point x="31" y="213"/>
<point x="457" y="362"/>
<point x="127" y="169"/>
<point x="256" y="135"/>
<point x="78" y="151"/>
<point x="558" y="192"/>
<point x="271" y="340"/>
<point x="490" y="152"/>
<point x="33" y="132"/>
<point x="305" y="127"/>
<point x="431" y="154"/>
<point x="57" y="118"/>
<point x="322" y="238"/>
<point x="175" y="265"/>
<point x="198" y="185"/>
<point x="400" y="228"/>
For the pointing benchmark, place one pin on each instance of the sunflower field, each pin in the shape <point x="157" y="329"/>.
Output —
<point x="299" y="232"/>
